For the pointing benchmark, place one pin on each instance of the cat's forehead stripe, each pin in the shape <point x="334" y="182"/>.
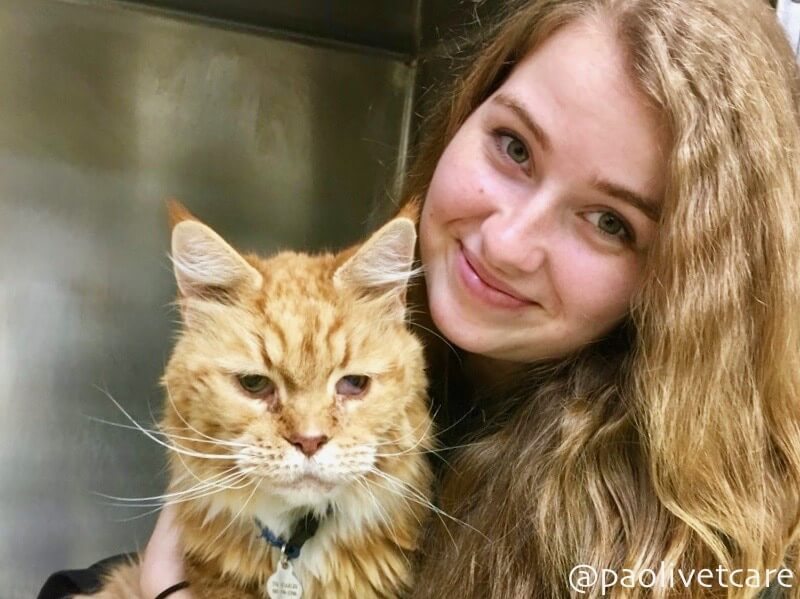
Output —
<point x="346" y="354"/>
<point x="312" y="322"/>
<point x="262" y="346"/>
<point x="271" y="365"/>
<point x="301" y="326"/>
<point x="335" y="327"/>
<point x="308" y="346"/>
<point x="275" y="328"/>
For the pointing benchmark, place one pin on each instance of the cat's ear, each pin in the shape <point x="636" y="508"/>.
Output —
<point x="382" y="266"/>
<point x="205" y="265"/>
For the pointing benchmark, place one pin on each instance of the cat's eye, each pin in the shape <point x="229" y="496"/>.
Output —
<point x="256" y="384"/>
<point x="352" y="385"/>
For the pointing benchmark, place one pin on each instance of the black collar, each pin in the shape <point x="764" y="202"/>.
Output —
<point x="304" y="528"/>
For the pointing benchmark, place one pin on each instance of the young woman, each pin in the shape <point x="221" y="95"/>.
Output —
<point x="611" y="239"/>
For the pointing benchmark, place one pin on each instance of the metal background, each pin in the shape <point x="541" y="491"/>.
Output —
<point x="278" y="127"/>
<point x="280" y="123"/>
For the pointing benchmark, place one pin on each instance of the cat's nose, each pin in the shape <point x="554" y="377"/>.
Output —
<point x="308" y="445"/>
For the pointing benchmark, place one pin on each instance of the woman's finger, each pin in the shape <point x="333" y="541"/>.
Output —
<point x="162" y="560"/>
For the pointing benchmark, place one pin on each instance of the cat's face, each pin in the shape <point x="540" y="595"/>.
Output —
<point x="295" y="375"/>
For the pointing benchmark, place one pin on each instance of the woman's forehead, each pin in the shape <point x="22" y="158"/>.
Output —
<point x="576" y="97"/>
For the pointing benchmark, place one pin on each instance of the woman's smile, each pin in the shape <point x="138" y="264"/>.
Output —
<point x="475" y="279"/>
<point x="531" y="250"/>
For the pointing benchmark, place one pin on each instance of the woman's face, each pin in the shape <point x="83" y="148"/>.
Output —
<point x="539" y="214"/>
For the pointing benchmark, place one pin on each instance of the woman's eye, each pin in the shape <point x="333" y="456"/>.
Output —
<point x="352" y="385"/>
<point x="513" y="148"/>
<point x="610" y="224"/>
<point x="256" y="384"/>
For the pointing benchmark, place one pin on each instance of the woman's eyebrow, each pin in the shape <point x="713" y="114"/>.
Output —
<point x="522" y="113"/>
<point x="650" y="208"/>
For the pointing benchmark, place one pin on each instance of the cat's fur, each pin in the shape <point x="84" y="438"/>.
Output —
<point x="304" y="321"/>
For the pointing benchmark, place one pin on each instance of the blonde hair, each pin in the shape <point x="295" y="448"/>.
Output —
<point x="678" y="439"/>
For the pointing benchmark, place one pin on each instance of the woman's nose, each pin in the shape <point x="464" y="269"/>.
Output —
<point x="515" y="240"/>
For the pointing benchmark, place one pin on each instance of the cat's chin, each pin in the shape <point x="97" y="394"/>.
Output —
<point x="312" y="482"/>
<point x="307" y="489"/>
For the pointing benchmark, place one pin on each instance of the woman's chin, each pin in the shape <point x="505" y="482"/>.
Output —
<point x="460" y="332"/>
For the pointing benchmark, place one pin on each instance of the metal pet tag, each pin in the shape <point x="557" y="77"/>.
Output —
<point x="283" y="584"/>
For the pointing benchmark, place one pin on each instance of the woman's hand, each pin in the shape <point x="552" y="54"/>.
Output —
<point x="162" y="561"/>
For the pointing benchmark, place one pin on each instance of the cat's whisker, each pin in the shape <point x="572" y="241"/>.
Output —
<point x="416" y="495"/>
<point x="231" y="484"/>
<point x="195" y="454"/>
<point x="405" y="485"/>
<point x="434" y="451"/>
<point x="188" y="468"/>
<point x="203" y="484"/>
<point x="189" y="426"/>
<point x="236" y="517"/>
<point x="426" y="451"/>
<point x="427" y="505"/>
<point x="408" y="490"/>
<point x="413" y="434"/>
<point x="208" y="439"/>
<point x="367" y="481"/>
<point x="237" y="469"/>
<point x="158" y="506"/>
<point x="410" y="434"/>
<point x="378" y="507"/>
<point x="161" y="431"/>
<point x="427" y="432"/>
<point x="425" y="437"/>
<point x="435" y="415"/>
<point x="241" y="325"/>
<point x="395" y="441"/>
<point x="175" y="448"/>
<point x="221" y="484"/>
<point x="408" y="496"/>
<point x="435" y="334"/>
<point x="363" y="481"/>
<point x="219" y="443"/>
<point x="137" y="516"/>
<point x="245" y="471"/>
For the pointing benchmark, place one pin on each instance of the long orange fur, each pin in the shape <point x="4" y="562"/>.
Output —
<point x="304" y="321"/>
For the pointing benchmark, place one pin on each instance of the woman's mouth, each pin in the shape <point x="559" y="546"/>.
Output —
<point x="474" y="279"/>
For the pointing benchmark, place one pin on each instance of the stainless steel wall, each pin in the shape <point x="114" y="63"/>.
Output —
<point x="105" y="110"/>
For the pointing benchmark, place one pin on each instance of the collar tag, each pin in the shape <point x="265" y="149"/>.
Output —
<point x="283" y="584"/>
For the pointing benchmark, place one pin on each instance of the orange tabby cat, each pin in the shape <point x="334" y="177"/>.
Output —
<point x="296" y="408"/>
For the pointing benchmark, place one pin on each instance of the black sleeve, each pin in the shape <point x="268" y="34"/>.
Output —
<point x="66" y="583"/>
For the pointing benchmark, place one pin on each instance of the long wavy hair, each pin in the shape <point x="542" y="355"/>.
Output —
<point x="674" y="443"/>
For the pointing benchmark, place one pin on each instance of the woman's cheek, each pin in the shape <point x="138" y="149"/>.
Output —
<point x="427" y="230"/>
<point x="458" y="189"/>
<point x="600" y="290"/>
